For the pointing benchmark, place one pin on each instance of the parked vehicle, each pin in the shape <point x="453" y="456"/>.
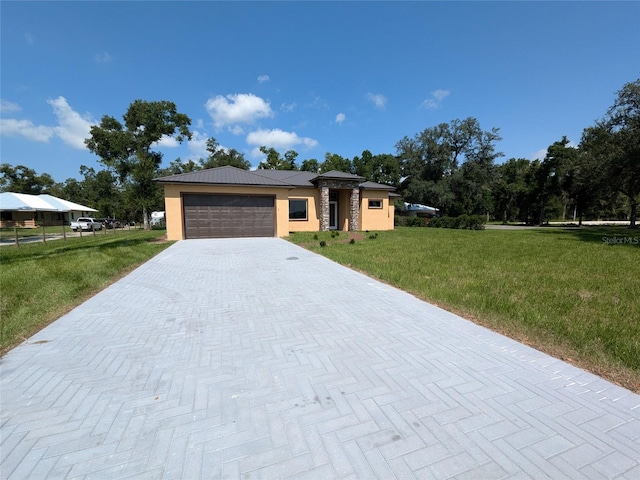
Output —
<point x="86" y="224"/>
<point x="111" y="223"/>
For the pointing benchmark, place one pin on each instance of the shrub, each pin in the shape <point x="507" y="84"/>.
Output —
<point x="352" y="241"/>
<point x="323" y="243"/>
<point x="465" y="222"/>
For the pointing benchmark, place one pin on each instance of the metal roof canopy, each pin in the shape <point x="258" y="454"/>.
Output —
<point x="22" y="202"/>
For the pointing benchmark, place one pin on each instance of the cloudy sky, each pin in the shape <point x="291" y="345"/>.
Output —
<point x="315" y="77"/>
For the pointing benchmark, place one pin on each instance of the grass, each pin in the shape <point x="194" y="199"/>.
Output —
<point x="39" y="282"/>
<point x="564" y="291"/>
<point x="9" y="233"/>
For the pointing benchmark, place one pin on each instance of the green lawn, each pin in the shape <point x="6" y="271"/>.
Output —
<point x="40" y="282"/>
<point x="564" y="291"/>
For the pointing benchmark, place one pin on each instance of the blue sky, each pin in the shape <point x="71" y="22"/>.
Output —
<point x="315" y="77"/>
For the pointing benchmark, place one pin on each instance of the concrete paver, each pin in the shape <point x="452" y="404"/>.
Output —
<point x="253" y="358"/>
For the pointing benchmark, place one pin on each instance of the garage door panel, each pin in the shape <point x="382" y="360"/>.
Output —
<point x="221" y="216"/>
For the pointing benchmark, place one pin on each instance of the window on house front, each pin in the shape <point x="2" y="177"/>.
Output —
<point x="375" y="203"/>
<point x="297" y="210"/>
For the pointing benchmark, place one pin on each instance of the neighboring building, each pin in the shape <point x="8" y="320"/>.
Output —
<point x="230" y="202"/>
<point x="23" y="210"/>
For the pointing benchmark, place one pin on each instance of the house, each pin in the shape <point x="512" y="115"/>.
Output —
<point x="230" y="202"/>
<point x="23" y="210"/>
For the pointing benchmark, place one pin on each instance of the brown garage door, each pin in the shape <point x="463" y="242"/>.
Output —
<point x="223" y="216"/>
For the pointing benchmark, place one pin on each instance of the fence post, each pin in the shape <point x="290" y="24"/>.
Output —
<point x="44" y="234"/>
<point x="64" y="231"/>
<point x="15" y="233"/>
<point x="93" y="230"/>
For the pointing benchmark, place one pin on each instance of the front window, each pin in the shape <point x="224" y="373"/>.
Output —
<point x="297" y="210"/>
<point x="375" y="203"/>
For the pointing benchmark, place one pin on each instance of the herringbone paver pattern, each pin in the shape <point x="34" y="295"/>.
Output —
<point x="253" y="358"/>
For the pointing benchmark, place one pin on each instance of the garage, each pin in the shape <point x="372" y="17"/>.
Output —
<point x="224" y="216"/>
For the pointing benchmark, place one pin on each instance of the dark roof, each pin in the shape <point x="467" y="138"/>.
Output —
<point x="294" y="177"/>
<point x="226" y="175"/>
<point x="334" y="174"/>
<point x="265" y="178"/>
<point x="376" y="186"/>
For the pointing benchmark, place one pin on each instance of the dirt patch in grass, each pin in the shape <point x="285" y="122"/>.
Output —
<point x="162" y="239"/>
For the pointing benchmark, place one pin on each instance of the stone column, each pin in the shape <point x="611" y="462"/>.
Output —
<point x="324" y="208"/>
<point x="354" y="209"/>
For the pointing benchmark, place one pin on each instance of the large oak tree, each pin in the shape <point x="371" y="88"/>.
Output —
<point x="127" y="148"/>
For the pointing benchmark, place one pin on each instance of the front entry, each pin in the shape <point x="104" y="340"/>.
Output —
<point x="333" y="215"/>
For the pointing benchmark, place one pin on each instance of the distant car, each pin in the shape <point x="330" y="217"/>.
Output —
<point x="86" y="223"/>
<point x="111" y="223"/>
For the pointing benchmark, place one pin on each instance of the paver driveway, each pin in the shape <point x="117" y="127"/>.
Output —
<point x="254" y="358"/>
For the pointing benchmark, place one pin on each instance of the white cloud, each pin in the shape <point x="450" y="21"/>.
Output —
<point x="380" y="101"/>
<point x="167" y="142"/>
<point x="263" y="78"/>
<point x="72" y="127"/>
<point x="279" y="139"/>
<point x="29" y="38"/>
<point x="256" y="153"/>
<point x="236" y="130"/>
<point x="198" y="145"/>
<point x="319" y="103"/>
<point x="437" y="96"/>
<point x="539" y="155"/>
<point x="25" y="128"/>
<point x="288" y="107"/>
<point x="238" y="108"/>
<point x="6" y="107"/>
<point x="340" y="118"/>
<point x="103" y="57"/>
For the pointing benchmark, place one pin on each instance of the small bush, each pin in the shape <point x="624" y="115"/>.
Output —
<point x="315" y="236"/>
<point x="352" y="241"/>
<point x="323" y="243"/>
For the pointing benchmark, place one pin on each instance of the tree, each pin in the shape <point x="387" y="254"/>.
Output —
<point x="126" y="148"/>
<point x="431" y="163"/>
<point x="510" y="190"/>
<point x="21" y="179"/>
<point x="310" y="165"/>
<point x="615" y="142"/>
<point x="219" y="157"/>
<point x="177" y="167"/>
<point x="384" y="168"/>
<point x="275" y="162"/>
<point x="333" y="161"/>
<point x="554" y="178"/>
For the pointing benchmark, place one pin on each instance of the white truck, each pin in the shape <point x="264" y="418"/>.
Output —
<point x="86" y="224"/>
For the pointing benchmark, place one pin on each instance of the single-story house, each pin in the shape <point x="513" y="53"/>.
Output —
<point x="231" y="202"/>
<point x="24" y="210"/>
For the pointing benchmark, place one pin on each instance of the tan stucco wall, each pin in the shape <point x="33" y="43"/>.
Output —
<point x="174" y="210"/>
<point x="376" y="218"/>
<point x="312" y="224"/>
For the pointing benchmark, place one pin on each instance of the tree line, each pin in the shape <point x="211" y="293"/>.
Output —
<point x="452" y="166"/>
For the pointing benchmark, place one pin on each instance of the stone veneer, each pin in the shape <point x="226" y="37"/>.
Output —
<point x="324" y="208"/>
<point x="354" y="209"/>
<point x="354" y="201"/>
